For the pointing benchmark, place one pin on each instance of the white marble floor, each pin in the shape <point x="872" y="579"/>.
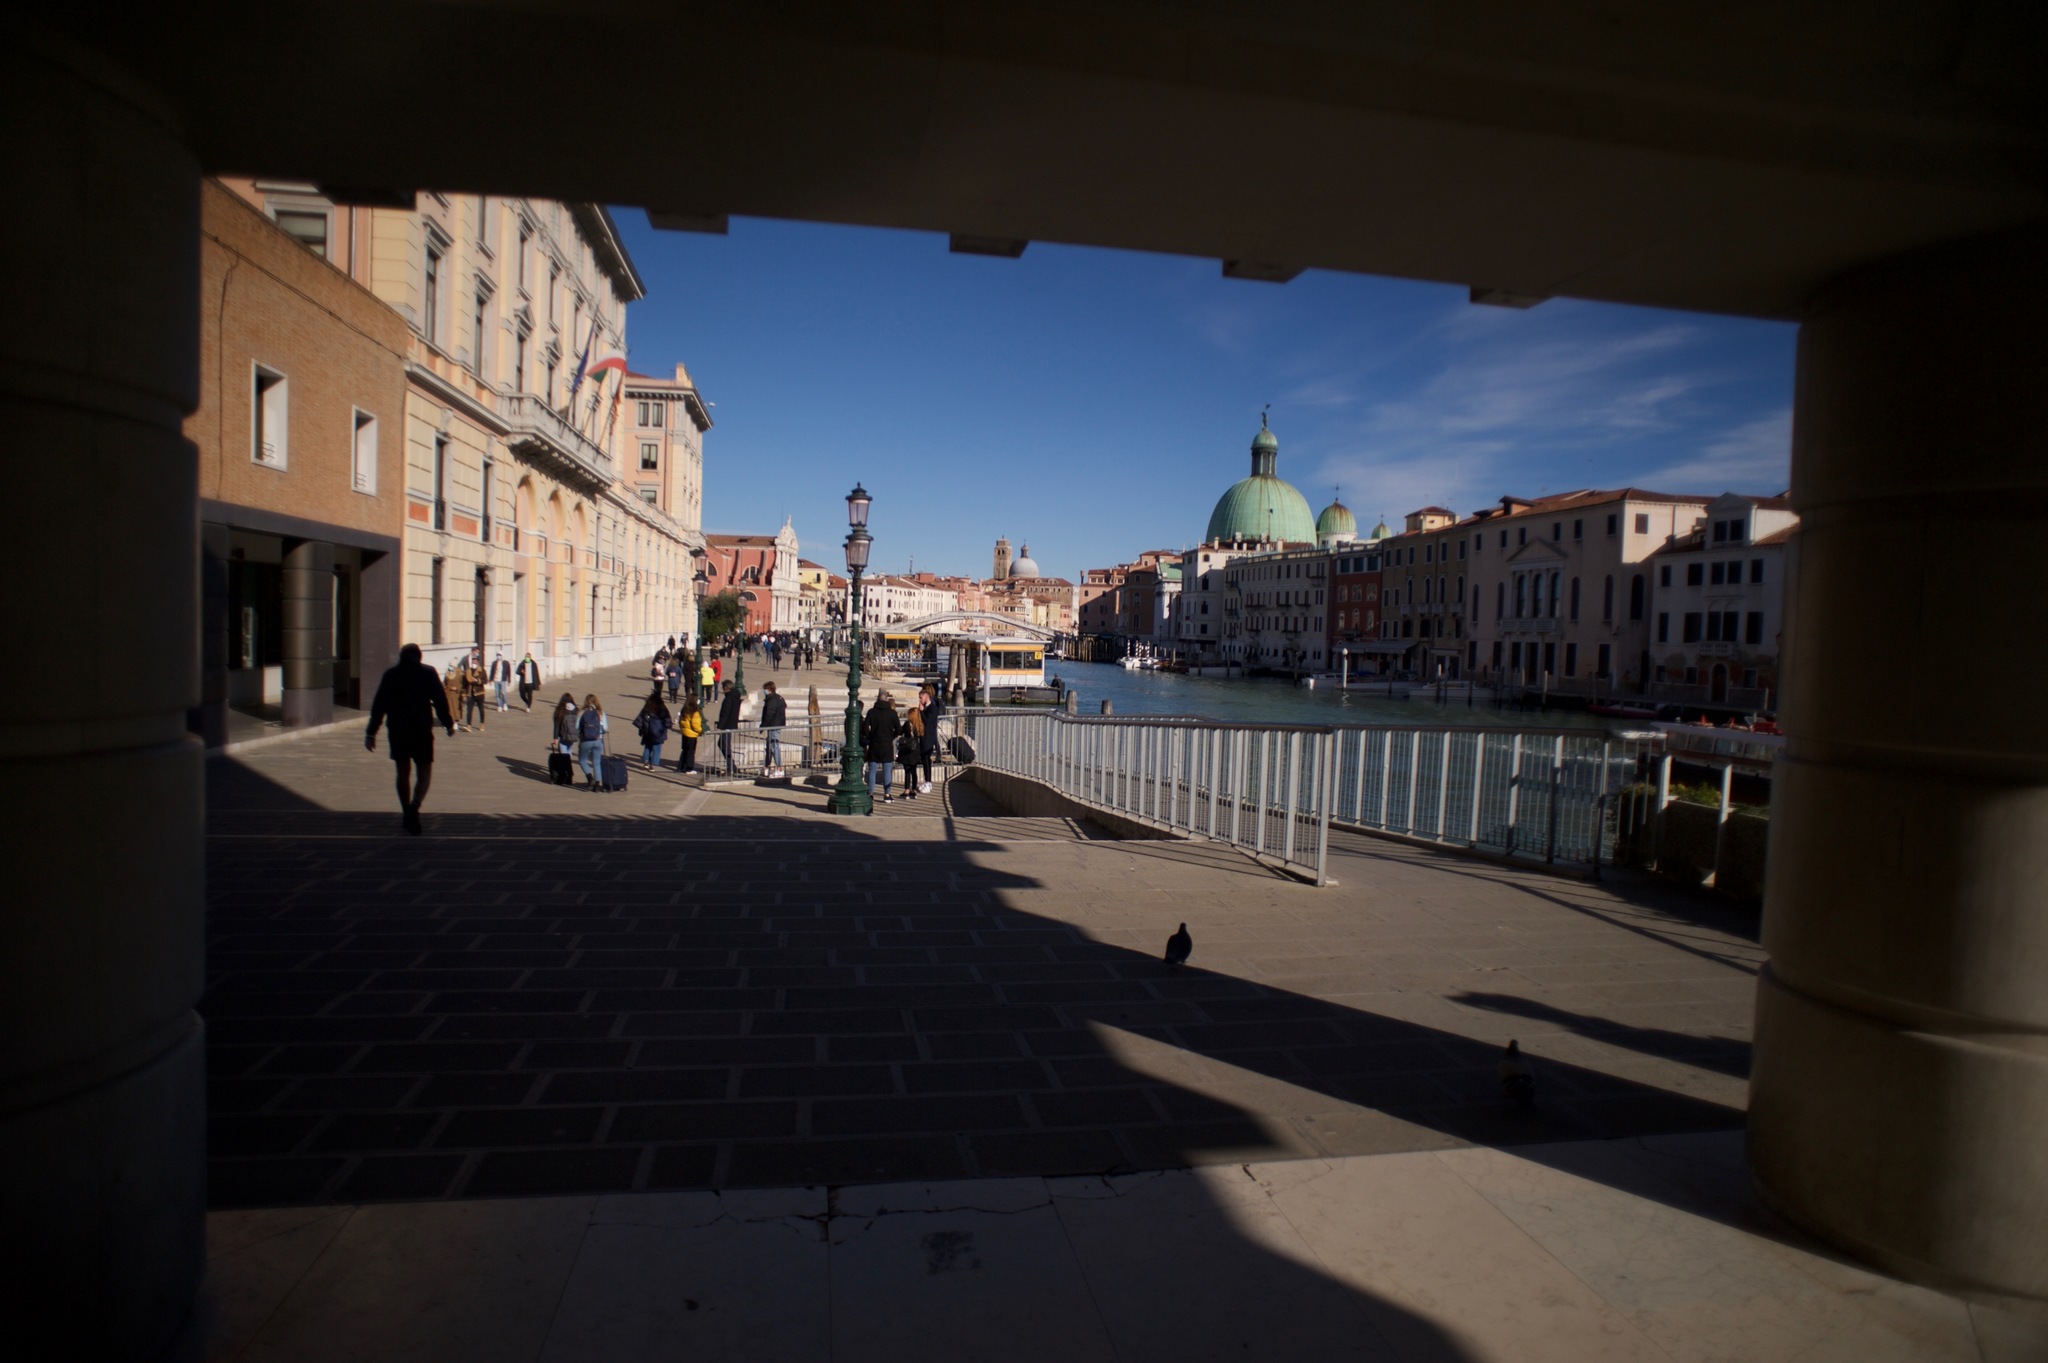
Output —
<point x="1649" y="1249"/>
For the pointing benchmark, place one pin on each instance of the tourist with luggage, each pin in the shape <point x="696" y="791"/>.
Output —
<point x="529" y="680"/>
<point x="591" y="728"/>
<point x="562" y="748"/>
<point x="689" y="728"/>
<point x="410" y="700"/>
<point x="652" y="724"/>
<point x="878" y="732"/>
<point x="728" y="721"/>
<point x="774" y="714"/>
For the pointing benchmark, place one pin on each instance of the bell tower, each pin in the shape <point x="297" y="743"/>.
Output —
<point x="1002" y="568"/>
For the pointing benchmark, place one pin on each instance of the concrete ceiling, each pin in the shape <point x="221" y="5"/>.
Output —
<point x="1726" y="157"/>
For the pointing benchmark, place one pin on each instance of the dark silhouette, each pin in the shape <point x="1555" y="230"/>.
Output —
<point x="410" y="699"/>
<point x="1515" y="1079"/>
<point x="1179" y="947"/>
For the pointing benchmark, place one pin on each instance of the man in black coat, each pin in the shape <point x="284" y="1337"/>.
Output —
<point x="728" y="720"/>
<point x="774" y="714"/>
<point x="410" y="699"/>
<point x="878" y="733"/>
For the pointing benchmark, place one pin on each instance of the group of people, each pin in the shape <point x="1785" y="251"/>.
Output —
<point x="470" y="681"/>
<point x="909" y="740"/>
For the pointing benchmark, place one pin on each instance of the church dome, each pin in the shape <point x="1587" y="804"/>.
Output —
<point x="1264" y="505"/>
<point x="1380" y="531"/>
<point x="1336" y="523"/>
<point x="1025" y="566"/>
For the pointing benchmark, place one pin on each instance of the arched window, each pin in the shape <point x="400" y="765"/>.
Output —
<point x="1635" y="597"/>
<point x="1575" y="598"/>
<point x="1607" y="599"/>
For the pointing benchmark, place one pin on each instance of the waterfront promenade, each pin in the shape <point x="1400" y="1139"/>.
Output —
<point x="704" y="1072"/>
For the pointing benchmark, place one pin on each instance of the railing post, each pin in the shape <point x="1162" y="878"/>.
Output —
<point x="1600" y="822"/>
<point x="1259" y="797"/>
<point x="1236" y="741"/>
<point x="1358" y="780"/>
<point x="1293" y="793"/>
<point x="1215" y="774"/>
<point x="1663" y="799"/>
<point x="1386" y="770"/>
<point x="1443" y="783"/>
<point x="1414" y="775"/>
<point x="1721" y="823"/>
<point x="1478" y="781"/>
<point x="1514" y="792"/>
<point x="1328" y="765"/>
<point x="1556" y="797"/>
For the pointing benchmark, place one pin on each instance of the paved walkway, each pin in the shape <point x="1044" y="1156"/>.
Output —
<point x="601" y="1057"/>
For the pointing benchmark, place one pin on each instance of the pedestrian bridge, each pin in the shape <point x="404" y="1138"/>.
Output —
<point x="990" y="617"/>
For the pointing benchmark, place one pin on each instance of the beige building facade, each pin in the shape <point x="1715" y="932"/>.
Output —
<point x="525" y="528"/>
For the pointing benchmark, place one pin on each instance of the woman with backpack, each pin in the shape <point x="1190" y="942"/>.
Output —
<point x="652" y="726"/>
<point x="690" y="727"/>
<point x="591" y="728"/>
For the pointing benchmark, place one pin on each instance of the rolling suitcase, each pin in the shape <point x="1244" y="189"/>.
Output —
<point x="611" y="771"/>
<point x="561" y="767"/>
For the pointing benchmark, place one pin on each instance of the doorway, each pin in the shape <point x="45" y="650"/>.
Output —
<point x="1717" y="684"/>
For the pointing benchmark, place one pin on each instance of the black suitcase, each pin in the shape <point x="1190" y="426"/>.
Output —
<point x="612" y="772"/>
<point x="961" y="749"/>
<point x="561" y="768"/>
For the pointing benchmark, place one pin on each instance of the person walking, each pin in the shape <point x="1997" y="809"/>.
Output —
<point x="410" y="700"/>
<point x="673" y="675"/>
<point x="652" y="724"/>
<point x="501" y="677"/>
<point x="728" y="721"/>
<point x="774" y="714"/>
<point x="689" y="728"/>
<point x="590" y="731"/>
<point x="707" y="681"/>
<point x="472" y="687"/>
<point x="529" y="680"/>
<point x="565" y="725"/>
<point x="878" y="736"/>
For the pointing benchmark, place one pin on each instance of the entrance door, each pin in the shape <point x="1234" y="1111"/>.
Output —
<point x="1717" y="684"/>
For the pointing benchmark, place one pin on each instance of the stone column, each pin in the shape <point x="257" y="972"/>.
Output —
<point x="102" y="1140"/>
<point x="1899" y="1106"/>
<point x="308" y="603"/>
<point x="209" y="719"/>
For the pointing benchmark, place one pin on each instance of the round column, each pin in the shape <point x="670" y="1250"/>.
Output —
<point x="308" y="602"/>
<point x="1899" y="1105"/>
<point x="102" y="1139"/>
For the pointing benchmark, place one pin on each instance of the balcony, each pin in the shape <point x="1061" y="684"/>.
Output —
<point x="535" y="431"/>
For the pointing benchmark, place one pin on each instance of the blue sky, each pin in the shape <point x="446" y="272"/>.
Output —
<point x="1096" y="403"/>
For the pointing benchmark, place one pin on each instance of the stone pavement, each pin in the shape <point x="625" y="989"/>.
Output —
<point x="688" y="1072"/>
<point x="556" y="991"/>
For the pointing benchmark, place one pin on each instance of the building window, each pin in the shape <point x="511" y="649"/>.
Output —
<point x="1715" y="574"/>
<point x="1695" y="574"/>
<point x="479" y="335"/>
<point x="650" y="413"/>
<point x="1730" y="622"/>
<point x="1691" y="627"/>
<point x="650" y="494"/>
<point x="1642" y="523"/>
<point x="268" y="424"/>
<point x="554" y="279"/>
<point x="1605" y="667"/>
<point x="524" y="239"/>
<point x="306" y="226"/>
<point x="1500" y="601"/>
<point x="1461" y="549"/>
<point x="1429" y="553"/>
<point x="440" y="496"/>
<point x="362" y="453"/>
<point x="1635" y="597"/>
<point x="1737" y="531"/>
<point x="1753" y="628"/>
<point x="1756" y="570"/>
<point x="1663" y="627"/>
<point x="435" y="599"/>
<point x="1521" y="534"/>
<point x="650" y="454"/>
<point x="1575" y="599"/>
<point x="1607" y="600"/>
<point x="484" y="520"/>
<point x="430" y="297"/>
<point x="1550" y="659"/>
<point x="1556" y="531"/>
<point x="1571" y="660"/>
<point x="1664" y="576"/>
<point x="1578" y="530"/>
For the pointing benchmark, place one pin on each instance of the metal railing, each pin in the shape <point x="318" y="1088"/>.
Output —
<point x="1262" y="788"/>
<point x="1538" y="795"/>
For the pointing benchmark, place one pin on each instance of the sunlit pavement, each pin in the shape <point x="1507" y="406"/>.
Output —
<point x="689" y="1071"/>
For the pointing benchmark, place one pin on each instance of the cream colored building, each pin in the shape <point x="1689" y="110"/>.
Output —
<point x="525" y="524"/>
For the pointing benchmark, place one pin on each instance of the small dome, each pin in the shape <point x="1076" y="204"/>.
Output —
<point x="1380" y="531"/>
<point x="1025" y="566"/>
<point x="1336" y="522"/>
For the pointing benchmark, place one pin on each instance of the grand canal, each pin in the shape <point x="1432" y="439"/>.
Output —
<point x="1278" y="701"/>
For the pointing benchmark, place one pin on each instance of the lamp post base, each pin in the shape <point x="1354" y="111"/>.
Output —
<point x="855" y="800"/>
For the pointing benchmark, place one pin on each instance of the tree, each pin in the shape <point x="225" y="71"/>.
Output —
<point x="720" y="615"/>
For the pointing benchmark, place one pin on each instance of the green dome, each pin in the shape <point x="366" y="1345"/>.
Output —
<point x="1336" y="522"/>
<point x="1380" y="531"/>
<point x="1265" y="505"/>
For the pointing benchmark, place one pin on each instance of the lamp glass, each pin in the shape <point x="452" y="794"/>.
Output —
<point x="857" y="507"/>
<point x="857" y="549"/>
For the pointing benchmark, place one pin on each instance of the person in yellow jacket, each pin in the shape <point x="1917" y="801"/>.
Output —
<point x="689" y="726"/>
<point x="707" y="680"/>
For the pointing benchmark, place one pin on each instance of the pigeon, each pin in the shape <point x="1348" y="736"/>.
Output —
<point x="1515" y="1079"/>
<point x="1179" y="946"/>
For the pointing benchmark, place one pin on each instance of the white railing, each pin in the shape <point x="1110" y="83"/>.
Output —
<point x="1264" y="789"/>
<point x="1540" y="795"/>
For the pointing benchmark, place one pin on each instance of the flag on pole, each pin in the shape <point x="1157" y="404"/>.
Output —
<point x="582" y="364"/>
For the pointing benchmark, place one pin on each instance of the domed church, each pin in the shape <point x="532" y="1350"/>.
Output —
<point x="1263" y="506"/>
<point x="1336" y="525"/>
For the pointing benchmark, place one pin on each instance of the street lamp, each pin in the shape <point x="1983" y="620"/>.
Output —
<point x="698" y="580"/>
<point x="739" y="683"/>
<point x="852" y="796"/>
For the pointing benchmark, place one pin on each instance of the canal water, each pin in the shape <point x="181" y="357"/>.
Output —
<point x="1275" y="700"/>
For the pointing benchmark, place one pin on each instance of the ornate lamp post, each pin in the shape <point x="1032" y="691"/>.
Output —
<point x="851" y="795"/>
<point x="739" y="682"/>
<point x="699" y="580"/>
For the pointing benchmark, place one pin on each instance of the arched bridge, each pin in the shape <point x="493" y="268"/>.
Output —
<point x="1006" y="621"/>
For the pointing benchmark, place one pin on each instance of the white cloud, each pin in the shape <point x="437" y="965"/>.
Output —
<point x="1755" y="456"/>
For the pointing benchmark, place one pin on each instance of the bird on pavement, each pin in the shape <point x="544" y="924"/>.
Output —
<point x="1179" y="946"/>
<point x="1515" y="1079"/>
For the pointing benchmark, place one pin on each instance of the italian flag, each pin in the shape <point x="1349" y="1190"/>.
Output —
<point x="597" y="370"/>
